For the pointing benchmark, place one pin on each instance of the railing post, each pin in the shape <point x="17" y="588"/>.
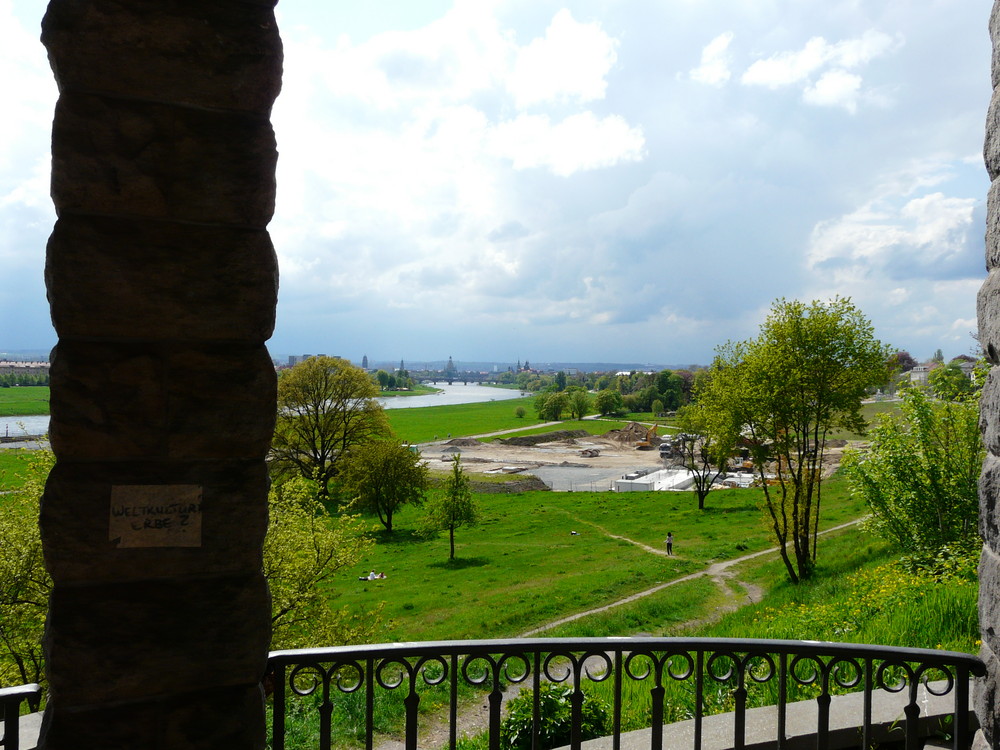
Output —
<point x="912" y="711"/>
<point x="453" y="704"/>
<point x="369" y="703"/>
<point x="699" y="688"/>
<point x="960" y="738"/>
<point x="616" y="722"/>
<point x="278" y="708"/>
<point x="10" y="712"/>
<point x="783" y="702"/>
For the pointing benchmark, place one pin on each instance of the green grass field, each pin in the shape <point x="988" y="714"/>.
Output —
<point x="29" y="400"/>
<point x="418" y="390"/>
<point x="521" y="567"/>
<point x="460" y="420"/>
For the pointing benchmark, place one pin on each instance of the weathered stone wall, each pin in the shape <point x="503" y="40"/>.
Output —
<point x="986" y="694"/>
<point x="162" y="282"/>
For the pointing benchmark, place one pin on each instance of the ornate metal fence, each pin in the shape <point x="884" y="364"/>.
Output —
<point x="10" y="708"/>
<point x="680" y="683"/>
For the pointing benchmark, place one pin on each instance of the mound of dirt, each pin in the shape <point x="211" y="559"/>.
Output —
<point x="523" y="483"/>
<point x="545" y="437"/>
<point x="464" y="441"/>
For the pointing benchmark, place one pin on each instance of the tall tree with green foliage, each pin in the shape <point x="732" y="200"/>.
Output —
<point x="24" y="581"/>
<point x="304" y="550"/>
<point x="950" y="383"/>
<point x="578" y="401"/>
<point x="383" y="476"/>
<point x="804" y="375"/>
<point x="455" y="507"/>
<point x="326" y="406"/>
<point x="609" y="401"/>
<point x="704" y="447"/>
<point x="919" y="474"/>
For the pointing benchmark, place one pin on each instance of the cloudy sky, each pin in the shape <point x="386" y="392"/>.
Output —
<point x="597" y="180"/>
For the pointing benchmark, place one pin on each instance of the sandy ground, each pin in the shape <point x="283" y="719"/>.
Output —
<point x="560" y="458"/>
<point x="561" y="463"/>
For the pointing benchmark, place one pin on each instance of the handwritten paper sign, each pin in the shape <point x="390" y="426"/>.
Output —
<point x="155" y="515"/>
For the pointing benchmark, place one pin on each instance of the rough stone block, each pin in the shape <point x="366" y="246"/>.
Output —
<point x="994" y="30"/>
<point x="989" y="599"/>
<point x="197" y="720"/>
<point x="989" y="494"/>
<point x="106" y="402"/>
<point x="221" y="404"/>
<point x="130" y="401"/>
<point x="993" y="226"/>
<point x="991" y="146"/>
<point x="988" y="314"/>
<point x="984" y="696"/>
<point x="127" y="642"/>
<point x="125" y="158"/>
<point x="224" y="53"/>
<point x="82" y="516"/>
<point x="989" y="416"/>
<point x="171" y="281"/>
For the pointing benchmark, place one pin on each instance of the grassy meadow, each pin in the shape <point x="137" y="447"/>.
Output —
<point x="459" y="420"/>
<point x="521" y="567"/>
<point x="27" y="400"/>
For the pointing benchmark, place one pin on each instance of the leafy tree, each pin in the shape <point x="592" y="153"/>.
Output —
<point x="561" y="380"/>
<point x="519" y="412"/>
<point x="938" y="356"/>
<point x="804" y="375"/>
<point x="550" y="406"/>
<point x="383" y="476"/>
<point x="304" y="548"/>
<point x="903" y="361"/>
<point x="657" y="407"/>
<point x="455" y="507"/>
<point x="704" y="448"/>
<point x="949" y="383"/>
<point x="578" y="402"/>
<point x="383" y="379"/>
<point x="920" y="474"/>
<point x="24" y="582"/>
<point x="326" y="406"/>
<point x="609" y="401"/>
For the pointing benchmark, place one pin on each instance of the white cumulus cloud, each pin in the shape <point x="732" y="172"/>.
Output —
<point x="715" y="61"/>
<point x="823" y="68"/>
<point x="579" y="142"/>
<point x="570" y="63"/>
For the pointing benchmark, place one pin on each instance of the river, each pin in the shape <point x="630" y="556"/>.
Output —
<point x="473" y="393"/>
<point x="450" y="395"/>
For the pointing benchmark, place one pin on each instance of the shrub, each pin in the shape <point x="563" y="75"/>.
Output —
<point x="519" y="412"/>
<point x="555" y="718"/>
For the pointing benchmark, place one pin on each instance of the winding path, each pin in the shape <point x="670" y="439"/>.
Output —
<point x="473" y="718"/>
<point x="719" y="572"/>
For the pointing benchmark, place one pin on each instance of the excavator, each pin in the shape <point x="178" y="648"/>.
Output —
<point x="647" y="443"/>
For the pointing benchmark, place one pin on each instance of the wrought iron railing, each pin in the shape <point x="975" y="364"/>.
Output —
<point x="10" y="709"/>
<point x="679" y="680"/>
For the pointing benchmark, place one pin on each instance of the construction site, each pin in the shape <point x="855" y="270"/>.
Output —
<point x="629" y="459"/>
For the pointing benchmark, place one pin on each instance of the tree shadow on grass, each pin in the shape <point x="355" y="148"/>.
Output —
<point x="398" y="537"/>
<point x="460" y="563"/>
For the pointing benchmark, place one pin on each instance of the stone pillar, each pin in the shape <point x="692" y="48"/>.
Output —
<point x="987" y="699"/>
<point x="162" y="282"/>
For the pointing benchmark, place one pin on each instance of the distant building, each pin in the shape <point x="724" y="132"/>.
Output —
<point x="364" y="362"/>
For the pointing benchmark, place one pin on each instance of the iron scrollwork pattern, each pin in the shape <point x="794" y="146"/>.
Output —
<point x="682" y="687"/>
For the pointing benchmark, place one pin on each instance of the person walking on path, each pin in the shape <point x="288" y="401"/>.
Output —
<point x="670" y="542"/>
